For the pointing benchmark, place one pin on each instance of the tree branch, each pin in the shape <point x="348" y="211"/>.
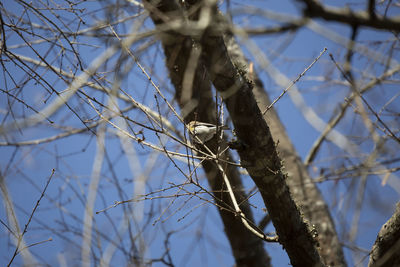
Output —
<point x="386" y="250"/>
<point x="193" y="92"/>
<point x="314" y="9"/>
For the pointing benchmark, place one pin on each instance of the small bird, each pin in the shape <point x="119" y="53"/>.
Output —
<point x="203" y="131"/>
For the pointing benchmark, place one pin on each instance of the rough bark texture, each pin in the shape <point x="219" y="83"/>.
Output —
<point x="303" y="189"/>
<point x="246" y="247"/>
<point x="258" y="152"/>
<point x="258" y="155"/>
<point x="386" y="250"/>
<point x="257" y="149"/>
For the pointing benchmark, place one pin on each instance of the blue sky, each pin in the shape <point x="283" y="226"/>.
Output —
<point x="199" y="233"/>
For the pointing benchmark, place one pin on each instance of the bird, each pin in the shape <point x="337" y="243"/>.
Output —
<point x="203" y="131"/>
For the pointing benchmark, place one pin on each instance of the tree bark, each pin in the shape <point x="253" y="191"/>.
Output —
<point x="304" y="191"/>
<point x="247" y="249"/>
<point x="258" y="154"/>
<point x="386" y="250"/>
<point x="257" y="149"/>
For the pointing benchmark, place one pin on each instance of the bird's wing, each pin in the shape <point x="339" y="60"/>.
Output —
<point x="206" y="124"/>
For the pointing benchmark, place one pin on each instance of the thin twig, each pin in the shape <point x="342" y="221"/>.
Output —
<point x="391" y="134"/>
<point x="240" y="213"/>
<point x="343" y="107"/>
<point x="294" y="82"/>
<point x="8" y="228"/>
<point x="37" y="243"/>
<point x="17" y="250"/>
